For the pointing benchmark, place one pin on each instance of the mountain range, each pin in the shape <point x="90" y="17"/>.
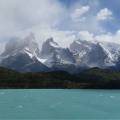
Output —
<point x="24" y="55"/>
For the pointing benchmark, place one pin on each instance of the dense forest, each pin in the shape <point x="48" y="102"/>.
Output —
<point x="89" y="79"/>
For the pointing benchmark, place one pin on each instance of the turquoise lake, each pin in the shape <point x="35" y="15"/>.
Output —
<point x="59" y="104"/>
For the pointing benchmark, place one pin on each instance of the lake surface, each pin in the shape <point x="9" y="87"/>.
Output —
<point x="59" y="104"/>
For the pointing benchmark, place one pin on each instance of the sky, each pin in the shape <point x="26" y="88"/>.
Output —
<point x="64" y="20"/>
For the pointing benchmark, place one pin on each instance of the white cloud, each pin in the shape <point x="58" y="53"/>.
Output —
<point x="85" y="35"/>
<point x="78" y="13"/>
<point x="82" y="17"/>
<point x="49" y="18"/>
<point x="2" y="47"/>
<point x="18" y="15"/>
<point x="108" y="37"/>
<point x="104" y="14"/>
<point x="105" y="37"/>
<point x="63" y="38"/>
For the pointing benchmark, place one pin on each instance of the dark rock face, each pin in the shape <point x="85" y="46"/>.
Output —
<point x="23" y="63"/>
<point x="23" y="54"/>
<point x="57" y="58"/>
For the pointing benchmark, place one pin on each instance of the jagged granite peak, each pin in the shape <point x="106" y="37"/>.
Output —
<point x="23" y="63"/>
<point x="23" y="55"/>
<point x="92" y="54"/>
<point x="55" y="55"/>
<point x="80" y="48"/>
<point x="51" y="42"/>
<point x="81" y="45"/>
<point x="49" y="47"/>
<point x="26" y="45"/>
<point x="96" y="57"/>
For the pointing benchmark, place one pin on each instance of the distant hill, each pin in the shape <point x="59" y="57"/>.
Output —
<point x="89" y="79"/>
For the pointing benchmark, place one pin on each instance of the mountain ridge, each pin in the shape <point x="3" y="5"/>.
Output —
<point x="24" y="55"/>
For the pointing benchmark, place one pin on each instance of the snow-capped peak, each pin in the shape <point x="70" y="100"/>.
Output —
<point x="54" y="55"/>
<point x="26" y="45"/>
<point x="80" y="53"/>
<point x="49" y="47"/>
<point x="94" y="54"/>
<point x="52" y="43"/>
<point x="81" y="47"/>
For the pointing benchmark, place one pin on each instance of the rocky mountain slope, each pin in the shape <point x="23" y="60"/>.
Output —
<point x="23" y="54"/>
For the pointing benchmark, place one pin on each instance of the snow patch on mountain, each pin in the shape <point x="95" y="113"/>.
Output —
<point x="26" y="45"/>
<point x="55" y="55"/>
<point x="94" y="54"/>
<point x="23" y="53"/>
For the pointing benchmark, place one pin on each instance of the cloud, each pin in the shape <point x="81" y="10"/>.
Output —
<point x="2" y="47"/>
<point x="106" y="37"/>
<point x="63" y="38"/>
<point x="82" y="17"/>
<point x="18" y="15"/>
<point x="51" y="18"/>
<point x="79" y="12"/>
<point x="109" y="37"/>
<point x="85" y="35"/>
<point x="104" y="14"/>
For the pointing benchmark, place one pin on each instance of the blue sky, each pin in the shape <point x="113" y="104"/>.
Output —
<point x="67" y="2"/>
<point x="66" y="14"/>
<point x="61" y="19"/>
<point x="112" y="5"/>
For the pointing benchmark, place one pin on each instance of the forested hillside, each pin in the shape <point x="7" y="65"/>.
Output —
<point x="93" y="79"/>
